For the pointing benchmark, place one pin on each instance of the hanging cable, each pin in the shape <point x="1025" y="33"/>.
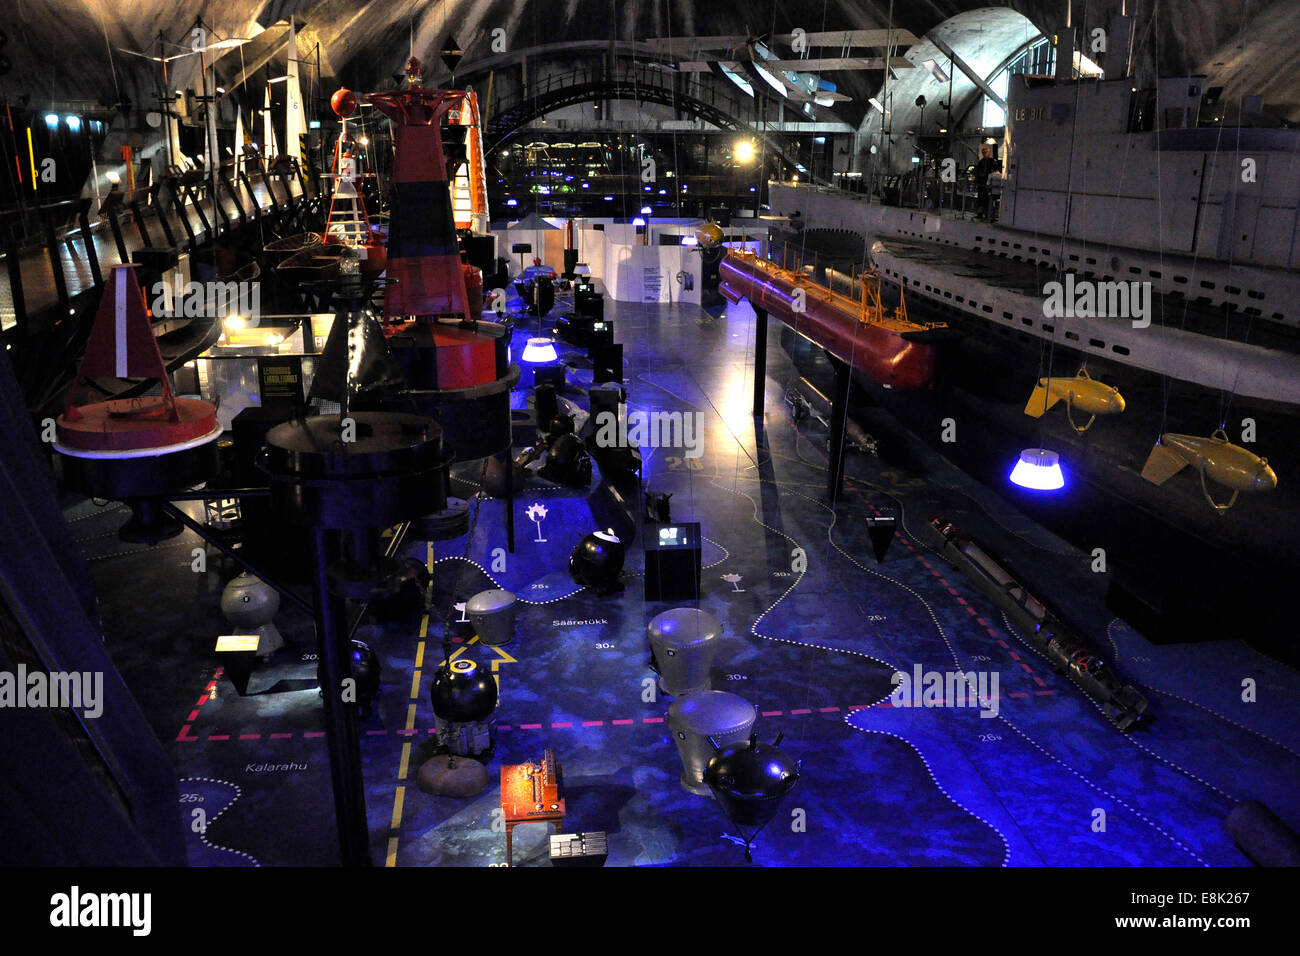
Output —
<point x="1065" y="229"/>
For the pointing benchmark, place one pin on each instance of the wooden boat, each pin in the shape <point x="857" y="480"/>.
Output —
<point x="313" y="263"/>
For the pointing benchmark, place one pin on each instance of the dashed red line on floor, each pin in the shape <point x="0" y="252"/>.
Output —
<point x="942" y="580"/>
<point x="209" y="691"/>
<point x="622" y="722"/>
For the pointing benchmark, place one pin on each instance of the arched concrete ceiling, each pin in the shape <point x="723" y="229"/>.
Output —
<point x="60" y="48"/>
<point x="983" y="39"/>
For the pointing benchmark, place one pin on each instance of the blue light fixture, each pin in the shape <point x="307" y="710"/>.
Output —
<point x="1038" y="469"/>
<point x="539" y="350"/>
<point x="646" y="210"/>
<point x="609" y="199"/>
<point x="512" y="202"/>
<point x="74" y="122"/>
<point x="52" y="120"/>
<point x="638" y="221"/>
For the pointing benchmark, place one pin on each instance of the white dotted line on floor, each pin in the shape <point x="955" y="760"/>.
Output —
<point x="96" y="537"/>
<point x="1006" y="845"/>
<point x="488" y="575"/>
<point x="96" y="513"/>
<point x="754" y="627"/>
<point x="830" y="537"/>
<point x="957" y="662"/>
<point x="1129" y="738"/>
<point x="149" y="547"/>
<point x="1102" y="790"/>
<point x="725" y="554"/>
<point x="203" y="834"/>
<point x="1110" y="637"/>
<point x="1208" y="710"/>
<point x="1034" y="743"/>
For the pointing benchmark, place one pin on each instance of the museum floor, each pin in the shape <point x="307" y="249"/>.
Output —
<point x="1047" y="781"/>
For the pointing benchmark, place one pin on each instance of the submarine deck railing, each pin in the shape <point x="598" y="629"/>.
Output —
<point x="868" y="305"/>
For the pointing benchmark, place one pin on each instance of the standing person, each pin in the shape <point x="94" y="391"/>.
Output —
<point x="983" y="169"/>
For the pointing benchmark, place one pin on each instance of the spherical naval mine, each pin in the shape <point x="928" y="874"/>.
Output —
<point x="464" y="693"/>
<point x="366" y="670"/>
<point x="597" y="561"/>
<point x="249" y="602"/>
<point x="750" y="779"/>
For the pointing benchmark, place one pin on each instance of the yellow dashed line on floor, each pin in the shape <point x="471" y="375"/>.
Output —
<point x="397" y="806"/>
<point x="404" y="766"/>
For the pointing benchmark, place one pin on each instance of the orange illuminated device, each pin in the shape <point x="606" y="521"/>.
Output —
<point x="532" y="793"/>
